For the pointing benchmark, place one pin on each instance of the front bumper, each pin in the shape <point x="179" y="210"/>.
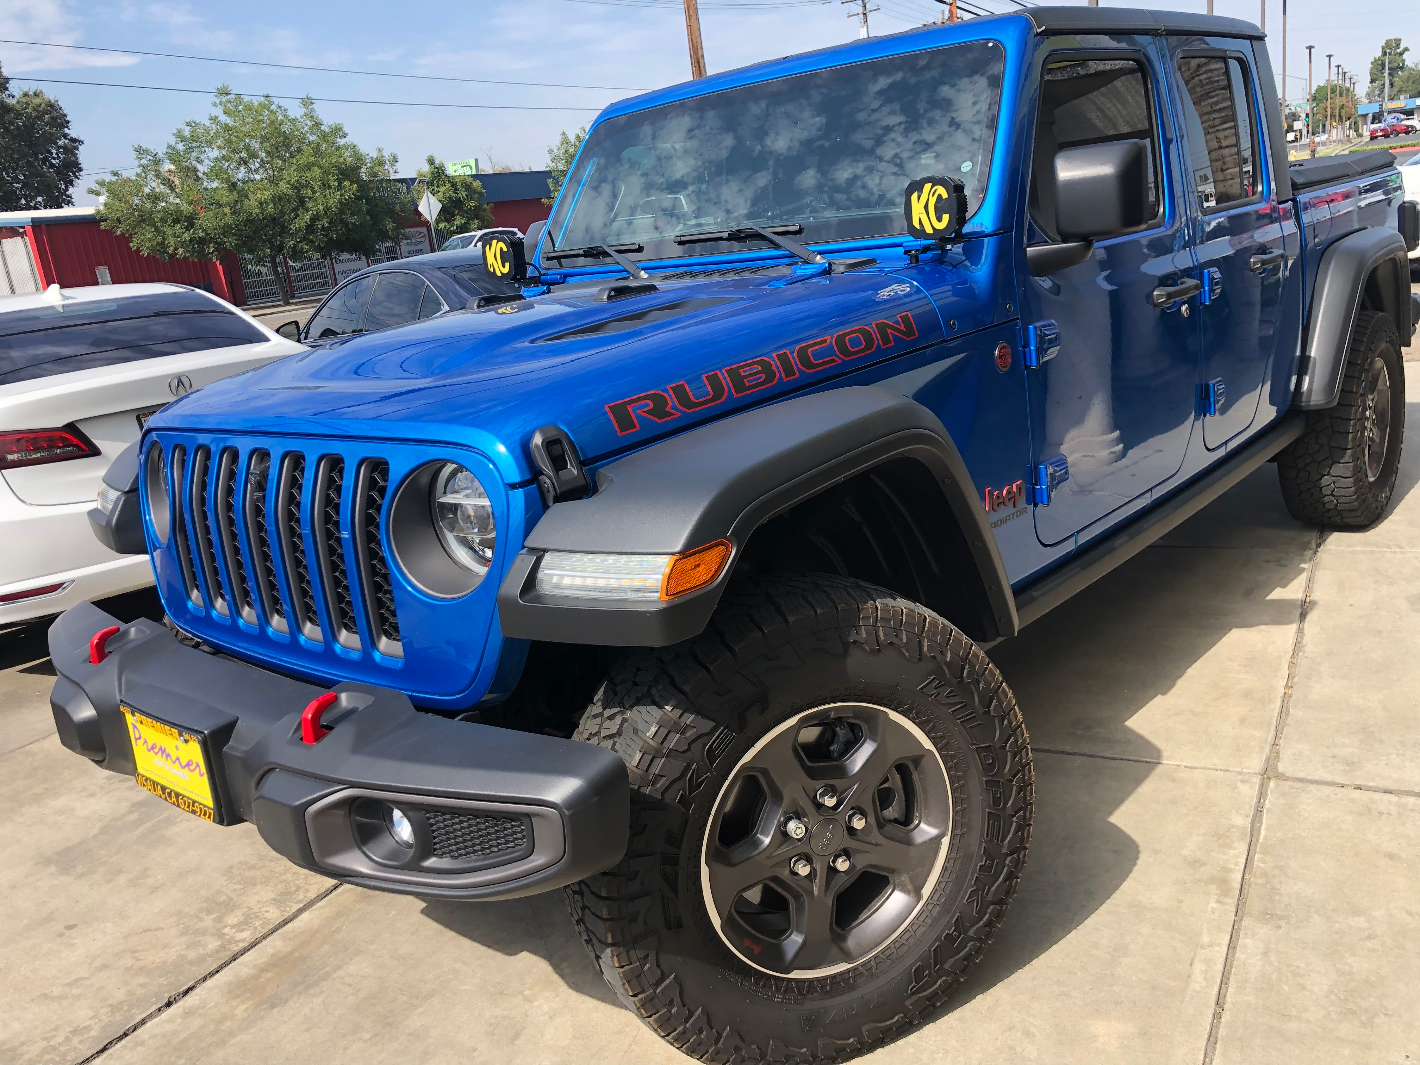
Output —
<point x="559" y="809"/>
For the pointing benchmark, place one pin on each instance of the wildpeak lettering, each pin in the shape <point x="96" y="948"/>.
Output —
<point x="742" y="378"/>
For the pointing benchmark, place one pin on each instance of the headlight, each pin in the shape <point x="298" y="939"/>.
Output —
<point x="156" y="475"/>
<point x="463" y="517"/>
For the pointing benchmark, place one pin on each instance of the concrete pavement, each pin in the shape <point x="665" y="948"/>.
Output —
<point x="1225" y="867"/>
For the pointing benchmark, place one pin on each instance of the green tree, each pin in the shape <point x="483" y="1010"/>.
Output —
<point x="1343" y="106"/>
<point x="39" y="158"/>
<point x="460" y="196"/>
<point x="259" y="180"/>
<point x="559" y="160"/>
<point x="1393" y="50"/>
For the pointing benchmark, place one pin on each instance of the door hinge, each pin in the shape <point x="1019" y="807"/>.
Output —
<point x="1212" y="285"/>
<point x="1211" y="396"/>
<point x="1042" y="342"/>
<point x="1045" y="477"/>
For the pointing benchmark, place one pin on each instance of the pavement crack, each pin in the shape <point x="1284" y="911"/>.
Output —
<point x="177" y="996"/>
<point x="1142" y="761"/>
<point x="1374" y="788"/>
<point x="1268" y="771"/>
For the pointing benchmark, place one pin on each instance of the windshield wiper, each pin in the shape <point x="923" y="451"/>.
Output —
<point x="604" y="251"/>
<point x="773" y="234"/>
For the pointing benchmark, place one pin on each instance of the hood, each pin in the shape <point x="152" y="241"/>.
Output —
<point x="615" y="375"/>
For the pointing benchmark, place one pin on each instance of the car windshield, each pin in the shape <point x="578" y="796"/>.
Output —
<point x="87" y="334"/>
<point x="831" y="151"/>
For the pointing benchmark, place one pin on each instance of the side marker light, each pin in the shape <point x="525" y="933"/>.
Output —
<point x="97" y="651"/>
<point x="312" y="731"/>
<point x="695" y="569"/>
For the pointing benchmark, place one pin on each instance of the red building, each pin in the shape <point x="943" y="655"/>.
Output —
<point x="516" y="197"/>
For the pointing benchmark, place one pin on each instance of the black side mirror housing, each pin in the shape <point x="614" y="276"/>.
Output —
<point x="290" y="330"/>
<point x="1101" y="190"/>
<point x="533" y="235"/>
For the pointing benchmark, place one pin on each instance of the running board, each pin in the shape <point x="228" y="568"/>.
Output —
<point x="1081" y="572"/>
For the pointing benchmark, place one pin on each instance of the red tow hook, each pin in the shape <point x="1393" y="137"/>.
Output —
<point x="97" y="651"/>
<point x="312" y="731"/>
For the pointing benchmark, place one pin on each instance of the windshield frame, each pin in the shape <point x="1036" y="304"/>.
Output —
<point x="996" y="142"/>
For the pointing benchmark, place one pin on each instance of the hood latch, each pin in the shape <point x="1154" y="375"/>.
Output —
<point x="560" y="472"/>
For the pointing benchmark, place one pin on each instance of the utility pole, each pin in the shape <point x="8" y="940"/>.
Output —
<point x="1285" y="88"/>
<point x="1262" y="23"/>
<point x="692" y="37"/>
<point x="864" y="11"/>
<point x="1210" y="7"/>
<point x="1311" y="142"/>
<point x="1328" y="97"/>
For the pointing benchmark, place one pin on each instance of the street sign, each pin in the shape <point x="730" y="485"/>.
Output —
<point x="429" y="206"/>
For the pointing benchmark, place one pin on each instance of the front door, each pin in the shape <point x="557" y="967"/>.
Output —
<point x="1246" y="240"/>
<point x="1114" y="408"/>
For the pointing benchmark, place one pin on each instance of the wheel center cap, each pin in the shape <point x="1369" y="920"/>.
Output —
<point x="826" y="836"/>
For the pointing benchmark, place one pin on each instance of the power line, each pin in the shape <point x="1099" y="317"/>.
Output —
<point x="316" y="99"/>
<point x="324" y="70"/>
<point x="674" y="5"/>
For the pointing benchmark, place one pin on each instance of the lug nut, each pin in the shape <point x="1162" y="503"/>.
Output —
<point x="857" y="821"/>
<point x="827" y="796"/>
<point x="795" y="829"/>
<point x="841" y="862"/>
<point x="800" y="866"/>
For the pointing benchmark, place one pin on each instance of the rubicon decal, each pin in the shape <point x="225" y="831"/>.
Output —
<point x="742" y="378"/>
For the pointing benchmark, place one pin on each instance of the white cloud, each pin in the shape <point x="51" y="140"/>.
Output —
<point x="49" y="21"/>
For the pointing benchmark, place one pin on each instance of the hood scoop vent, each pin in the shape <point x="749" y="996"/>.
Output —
<point x="727" y="271"/>
<point x="636" y="319"/>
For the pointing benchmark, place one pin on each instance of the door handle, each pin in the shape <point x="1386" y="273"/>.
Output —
<point x="1166" y="294"/>
<point x="1264" y="261"/>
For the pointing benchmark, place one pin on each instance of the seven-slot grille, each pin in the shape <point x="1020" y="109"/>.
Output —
<point x="254" y="524"/>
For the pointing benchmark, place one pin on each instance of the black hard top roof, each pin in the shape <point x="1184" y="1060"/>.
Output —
<point x="1053" y="20"/>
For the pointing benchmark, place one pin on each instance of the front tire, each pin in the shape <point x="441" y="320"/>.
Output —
<point x="1341" y="471"/>
<point x="757" y="914"/>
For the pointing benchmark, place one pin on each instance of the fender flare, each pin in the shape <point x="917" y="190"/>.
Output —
<point x="724" y="480"/>
<point x="1341" y="280"/>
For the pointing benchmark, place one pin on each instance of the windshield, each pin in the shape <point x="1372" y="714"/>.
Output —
<point x="831" y="151"/>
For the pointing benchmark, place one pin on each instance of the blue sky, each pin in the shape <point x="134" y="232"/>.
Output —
<point x="626" y="45"/>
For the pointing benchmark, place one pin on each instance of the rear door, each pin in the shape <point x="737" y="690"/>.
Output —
<point x="1246" y="241"/>
<point x="1113" y="409"/>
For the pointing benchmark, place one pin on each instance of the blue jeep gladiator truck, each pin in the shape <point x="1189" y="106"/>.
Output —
<point x="671" y="578"/>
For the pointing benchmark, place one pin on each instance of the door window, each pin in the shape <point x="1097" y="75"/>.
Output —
<point x="342" y="312"/>
<point x="396" y="300"/>
<point x="431" y="304"/>
<point x="1089" y="101"/>
<point x="1217" y="111"/>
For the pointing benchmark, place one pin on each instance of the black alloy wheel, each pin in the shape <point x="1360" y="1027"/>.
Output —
<point x="1375" y="399"/>
<point x="826" y="840"/>
<point x="831" y="800"/>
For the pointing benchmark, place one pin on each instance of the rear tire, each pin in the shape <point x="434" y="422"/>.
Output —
<point x="1341" y="471"/>
<point x="800" y="683"/>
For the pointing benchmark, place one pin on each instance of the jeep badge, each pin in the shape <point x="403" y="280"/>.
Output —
<point x="935" y="207"/>
<point x="504" y="259"/>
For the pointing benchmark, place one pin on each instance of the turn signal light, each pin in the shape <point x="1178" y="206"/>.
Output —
<point x="35" y="447"/>
<point x="695" y="569"/>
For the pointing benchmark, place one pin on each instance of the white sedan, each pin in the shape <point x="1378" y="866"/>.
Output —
<point x="80" y="372"/>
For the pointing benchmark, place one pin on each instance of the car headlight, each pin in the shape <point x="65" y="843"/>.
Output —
<point x="156" y="474"/>
<point x="463" y="517"/>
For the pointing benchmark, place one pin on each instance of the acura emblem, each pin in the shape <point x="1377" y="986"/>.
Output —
<point x="180" y="385"/>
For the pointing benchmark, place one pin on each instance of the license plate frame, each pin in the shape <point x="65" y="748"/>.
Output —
<point x="174" y="763"/>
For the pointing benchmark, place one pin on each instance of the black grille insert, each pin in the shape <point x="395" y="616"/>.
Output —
<point x="177" y="467"/>
<point x="460" y="837"/>
<point x="376" y="588"/>
<point x="293" y="545"/>
<point x="326" y="527"/>
<point x="203" y="533"/>
<point x="258" y="536"/>
<point x="227" y="538"/>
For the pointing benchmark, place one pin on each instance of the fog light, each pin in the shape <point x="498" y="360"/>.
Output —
<point x="400" y="828"/>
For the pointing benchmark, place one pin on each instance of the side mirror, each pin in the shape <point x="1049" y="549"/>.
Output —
<point x="533" y="235"/>
<point x="290" y="330"/>
<point x="1101" y="190"/>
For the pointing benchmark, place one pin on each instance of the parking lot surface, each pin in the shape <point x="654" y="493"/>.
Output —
<point x="1225" y="866"/>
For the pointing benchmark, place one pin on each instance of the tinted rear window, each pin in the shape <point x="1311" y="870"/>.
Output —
<point x="40" y="341"/>
<point x="479" y="282"/>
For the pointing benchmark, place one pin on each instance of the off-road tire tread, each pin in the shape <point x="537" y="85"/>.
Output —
<point x="658" y="704"/>
<point x="1322" y="472"/>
